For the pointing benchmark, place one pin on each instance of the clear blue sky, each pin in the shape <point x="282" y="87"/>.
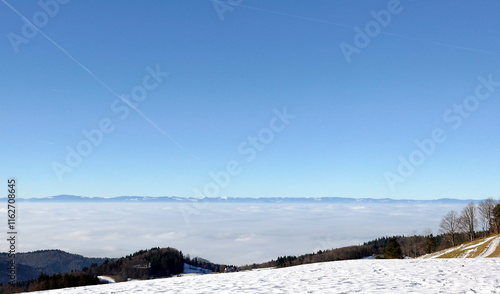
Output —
<point x="227" y="76"/>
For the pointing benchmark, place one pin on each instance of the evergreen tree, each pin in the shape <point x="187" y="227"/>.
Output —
<point x="393" y="250"/>
<point x="496" y="218"/>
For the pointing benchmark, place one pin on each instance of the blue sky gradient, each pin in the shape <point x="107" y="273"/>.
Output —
<point x="227" y="78"/>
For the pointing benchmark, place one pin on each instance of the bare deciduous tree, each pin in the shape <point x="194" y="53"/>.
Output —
<point x="449" y="226"/>
<point x="468" y="220"/>
<point x="485" y="209"/>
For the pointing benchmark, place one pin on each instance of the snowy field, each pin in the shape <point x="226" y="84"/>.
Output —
<point x="355" y="276"/>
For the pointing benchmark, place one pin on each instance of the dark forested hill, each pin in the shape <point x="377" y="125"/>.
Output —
<point x="32" y="264"/>
<point x="24" y="272"/>
<point x="144" y="264"/>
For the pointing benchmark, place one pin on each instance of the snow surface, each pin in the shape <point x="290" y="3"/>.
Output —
<point x="354" y="276"/>
<point x="106" y="279"/>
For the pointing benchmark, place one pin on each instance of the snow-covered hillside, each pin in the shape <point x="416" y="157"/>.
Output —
<point x="354" y="276"/>
<point x="480" y="248"/>
<point x="191" y="269"/>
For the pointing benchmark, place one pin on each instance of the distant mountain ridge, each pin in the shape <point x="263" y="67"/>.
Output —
<point x="176" y="199"/>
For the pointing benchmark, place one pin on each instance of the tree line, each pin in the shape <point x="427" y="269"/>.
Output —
<point x="344" y="253"/>
<point x="472" y="222"/>
<point x="49" y="282"/>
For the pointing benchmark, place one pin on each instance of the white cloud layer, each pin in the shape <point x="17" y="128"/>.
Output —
<point x="224" y="233"/>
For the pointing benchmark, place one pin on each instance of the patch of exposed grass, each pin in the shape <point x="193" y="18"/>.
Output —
<point x="481" y="248"/>
<point x="453" y="254"/>
<point x="495" y="253"/>
<point x="472" y="249"/>
<point x="461" y="250"/>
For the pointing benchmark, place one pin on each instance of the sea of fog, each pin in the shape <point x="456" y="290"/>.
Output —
<point x="237" y="233"/>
